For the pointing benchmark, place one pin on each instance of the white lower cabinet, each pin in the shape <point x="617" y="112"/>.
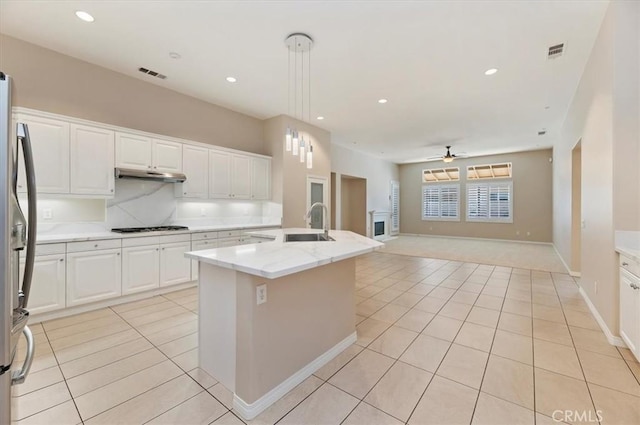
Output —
<point x="93" y="276"/>
<point x="140" y="269"/>
<point x="174" y="266"/>
<point x="48" y="284"/>
<point x="630" y="304"/>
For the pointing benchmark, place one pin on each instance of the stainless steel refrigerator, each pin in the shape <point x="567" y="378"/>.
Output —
<point x="16" y="235"/>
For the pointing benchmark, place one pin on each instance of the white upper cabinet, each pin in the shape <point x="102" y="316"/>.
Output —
<point x="260" y="178"/>
<point x="219" y="175"/>
<point x="133" y="151"/>
<point x="195" y="165"/>
<point x="241" y="177"/>
<point x="50" y="145"/>
<point x="92" y="160"/>
<point x="166" y="156"/>
<point x="145" y="153"/>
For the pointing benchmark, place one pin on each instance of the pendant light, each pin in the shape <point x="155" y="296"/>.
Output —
<point x="298" y="44"/>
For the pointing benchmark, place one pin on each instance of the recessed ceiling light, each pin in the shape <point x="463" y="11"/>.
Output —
<point x="320" y="118"/>
<point x="491" y="71"/>
<point x="382" y="100"/>
<point x="174" y="55"/>
<point x="85" y="16"/>
<point x="231" y="79"/>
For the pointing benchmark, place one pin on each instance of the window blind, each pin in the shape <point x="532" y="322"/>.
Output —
<point x="490" y="202"/>
<point x="440" y="202"/>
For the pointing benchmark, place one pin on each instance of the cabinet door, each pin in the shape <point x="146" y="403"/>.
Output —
<point x="199" y="246"/>
<point x="47" y="284"/>
<point x="140" y="269"/>
<point x="50" y="144"/>
<point x="167" y="156"/>
<point x="630" y="311"/>
<point x="93" y="276"/>
<point x="92" y="160"/>
<point x="195" y="165"/>
<point x="241" y="177"/>
<point x="260" y="178"/>
<point x="133" y="151"/>
<point x="219" y="175"/>
<point x="174" y="266"/>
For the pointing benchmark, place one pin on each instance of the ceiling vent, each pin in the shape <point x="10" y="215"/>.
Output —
<point x="555" y="51"/>
<point x="152" y="73"/>
<point x="542" y="132"/>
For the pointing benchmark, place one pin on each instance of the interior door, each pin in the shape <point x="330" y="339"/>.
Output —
<point x="316" y="192"/>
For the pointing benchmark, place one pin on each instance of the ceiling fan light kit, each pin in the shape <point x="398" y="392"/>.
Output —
<point x="448" y="157"/>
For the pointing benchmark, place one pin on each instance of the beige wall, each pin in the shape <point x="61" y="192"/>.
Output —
<point x="353" y="205"/>
<point x="532" y="199"/>
<point x="290" y="174"/>
<point x="604" y="116"/>
<point x="52" y="82"/>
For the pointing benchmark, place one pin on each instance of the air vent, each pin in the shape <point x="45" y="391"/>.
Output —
<point x="542" y="132"/>
<point x="555" y="51"/>
<point x="152" y="73"/>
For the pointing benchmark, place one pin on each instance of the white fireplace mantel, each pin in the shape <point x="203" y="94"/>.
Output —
<point x="376" y="216"/>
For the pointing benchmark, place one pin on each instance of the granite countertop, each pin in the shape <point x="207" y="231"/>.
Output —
<point x="277" y="258"/>
<point x="90" y="236"/>
<point x="628" y="243"/>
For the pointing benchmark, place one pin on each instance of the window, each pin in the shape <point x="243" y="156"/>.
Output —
<point x="491" y="171"/>
<point x="441" y="175"/>
<point x="490" y="202"/>
<point x="441" y="202"/>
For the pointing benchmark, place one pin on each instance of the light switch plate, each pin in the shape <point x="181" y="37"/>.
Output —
<point x="261" y="294"/>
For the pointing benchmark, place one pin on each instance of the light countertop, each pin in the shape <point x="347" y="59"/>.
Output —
<point x="277" y="258"/>
<point x="76" y="237"/>
<point x="628" y="243"/>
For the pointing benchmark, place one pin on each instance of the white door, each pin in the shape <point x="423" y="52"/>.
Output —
<point x="630" y="311"/>
<point x="195" y="165"/>
<point x="133" y="151"/>
<point x="92" y="160"/>
<point x="317" y="192"/>
<point x="219" y="175"/>
<point x="167" y="156"/>
<point x="241" y="177"/>
<point x="47" y="284"/>
<point x="199" y="246"/>
<point x="174" y="266"/>
<point x="50" y="144"/>
<point x="140" y="268"/>
<point x="394" y="198"/>
<point x="93" y="276"/>
<point x="260" y="178"/>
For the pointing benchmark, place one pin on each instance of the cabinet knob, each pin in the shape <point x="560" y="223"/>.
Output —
<point x="163" y="249"/>
<point x="155" y="166"/>
<point x="62" y="260"/>
<point x="118" y="253"/>
<point x="157" y="249"/>
<point x="625" y="264"/>
<point x="185" y="193"/>
<point x="148" y="166"/>
<point x="95" y="246"/>
<point x="111" y="190"/>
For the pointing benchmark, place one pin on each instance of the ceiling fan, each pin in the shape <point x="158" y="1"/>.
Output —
<point x="448" y="157"/>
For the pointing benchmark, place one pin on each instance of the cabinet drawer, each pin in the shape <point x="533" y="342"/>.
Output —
<point x="630" y="265"/>
<point x="200" y="245"/>
<point x="229" y="233"/>
<point x="94" y="245"/>
<point x="47" y="249"/>
<point x="144" y="241"/>
<point x="204" y="235"/>
<point x="185" y="237"/>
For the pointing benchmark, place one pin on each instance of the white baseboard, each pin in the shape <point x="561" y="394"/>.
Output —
<point x="422" y="235"/>
<point x="613" y="340"/>
<point x="566" y="266"/>
<point x="250" y="410"/>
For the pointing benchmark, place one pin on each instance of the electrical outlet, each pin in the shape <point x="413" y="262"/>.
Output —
<point x="203" y="212"/>
<point x="47" y="213"/>
<point x="261" y="294"/>
<point x="595" y="286"/>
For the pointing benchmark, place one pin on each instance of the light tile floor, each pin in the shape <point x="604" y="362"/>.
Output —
<point x="439" y="342"/>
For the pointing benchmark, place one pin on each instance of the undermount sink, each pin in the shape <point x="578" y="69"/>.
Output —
<point x="307" y="237"/>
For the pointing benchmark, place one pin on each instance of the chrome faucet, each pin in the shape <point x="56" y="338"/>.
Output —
<point x="325" y="216"/>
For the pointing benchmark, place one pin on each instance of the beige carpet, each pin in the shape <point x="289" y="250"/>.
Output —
<point x="501" y="253"/>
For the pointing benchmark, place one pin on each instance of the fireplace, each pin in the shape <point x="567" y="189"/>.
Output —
<point x="378" y="228"/>
<point x="379" y="225"/>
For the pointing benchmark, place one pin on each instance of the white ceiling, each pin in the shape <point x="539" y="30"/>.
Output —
<point x="427" y="57"/>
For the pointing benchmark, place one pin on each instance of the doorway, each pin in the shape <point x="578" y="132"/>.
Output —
<point x="316" y="192"/>
<point x="576" y="207"/>
<point x="353" y="204"/>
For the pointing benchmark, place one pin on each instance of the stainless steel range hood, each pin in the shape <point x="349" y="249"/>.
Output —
<point x="127" y="173"/>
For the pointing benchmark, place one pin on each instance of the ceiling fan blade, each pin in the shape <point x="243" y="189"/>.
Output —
<point x="431" y="158"/>
<point x="460" y="155"/>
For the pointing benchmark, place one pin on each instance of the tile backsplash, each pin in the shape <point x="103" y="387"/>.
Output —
<point x="146" y="203"/>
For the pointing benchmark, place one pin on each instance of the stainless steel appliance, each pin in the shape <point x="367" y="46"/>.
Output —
<point x="148" y="229"/>
<point x="16" y="234"/>
<point x="126" y="173"/>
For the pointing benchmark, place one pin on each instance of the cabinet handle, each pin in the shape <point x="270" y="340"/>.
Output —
<point x="118" y="253"/>
<point x="624" y="263"/>
<point x="111" y="190"/>
<point x="185" y="193"/>
<point x="634" y="286"/>
<point x="61" y="260"/>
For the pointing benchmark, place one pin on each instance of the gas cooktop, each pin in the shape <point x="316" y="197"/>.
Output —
<point x="148" y="229"/>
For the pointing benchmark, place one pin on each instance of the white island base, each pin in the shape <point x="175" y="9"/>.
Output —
<point x="261" y="352"/>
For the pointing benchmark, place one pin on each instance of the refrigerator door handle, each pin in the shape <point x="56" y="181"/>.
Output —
<point x="19" y="376"/>
<point x="23" y="136"/>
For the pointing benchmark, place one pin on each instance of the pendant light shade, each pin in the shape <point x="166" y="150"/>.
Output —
<point x="295" y="143"/>
<point x="310" y="157"/>
<point x="287" y="140"/>
<point x="302" y="147"/>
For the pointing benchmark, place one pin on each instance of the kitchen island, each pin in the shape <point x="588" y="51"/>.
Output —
<point x="270" y="314"/>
